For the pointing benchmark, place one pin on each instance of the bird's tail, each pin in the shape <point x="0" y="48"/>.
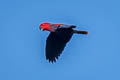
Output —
<point x="80" y="32"/>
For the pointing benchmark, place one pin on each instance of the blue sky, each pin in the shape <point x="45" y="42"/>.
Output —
<point x="92" y="57"/>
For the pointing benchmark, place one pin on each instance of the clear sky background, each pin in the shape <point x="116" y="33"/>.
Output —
<point x="92" y="57"/>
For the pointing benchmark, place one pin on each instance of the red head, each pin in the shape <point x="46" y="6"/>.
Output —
<point x="46" y="26"/>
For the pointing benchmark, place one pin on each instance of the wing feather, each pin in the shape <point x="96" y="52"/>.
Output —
<point x="56" y="43"/>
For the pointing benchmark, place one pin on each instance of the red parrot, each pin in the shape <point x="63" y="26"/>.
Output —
<point x="60" y="35"/>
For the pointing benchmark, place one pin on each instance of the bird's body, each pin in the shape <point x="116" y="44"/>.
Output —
<point x="58" y="38"/>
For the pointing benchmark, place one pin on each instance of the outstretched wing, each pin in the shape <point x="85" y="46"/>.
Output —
<point x="56" y="43"/>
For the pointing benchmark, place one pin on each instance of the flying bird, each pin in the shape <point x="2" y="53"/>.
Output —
<point x="60" y="35"/>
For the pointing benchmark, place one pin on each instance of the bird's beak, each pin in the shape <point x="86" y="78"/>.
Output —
<point x="39" y="27"/>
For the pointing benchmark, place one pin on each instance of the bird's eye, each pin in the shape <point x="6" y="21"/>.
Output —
<point x="41" y="25"/>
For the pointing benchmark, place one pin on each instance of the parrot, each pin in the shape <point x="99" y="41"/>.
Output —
<point x="60" y="35"/>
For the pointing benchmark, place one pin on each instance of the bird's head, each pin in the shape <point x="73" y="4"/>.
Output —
<point x="46" y="26"/>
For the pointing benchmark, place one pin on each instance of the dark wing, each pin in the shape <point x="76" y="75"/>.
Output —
<point x="56" y="43"/>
